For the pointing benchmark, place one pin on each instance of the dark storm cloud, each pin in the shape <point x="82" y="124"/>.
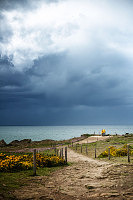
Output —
<point x="23" y="4"/>
<point x="12" y="84"/>
<point x="48" y="87"/>
<point x="6" y="4"/>
<point x="93" y="86"/>
<point x="8" y="77"/>
<point x="61" y="65"/>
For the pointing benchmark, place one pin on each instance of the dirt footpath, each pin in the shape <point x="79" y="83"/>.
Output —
<point x="85" y="179"/>
<point x="92" y="139"/>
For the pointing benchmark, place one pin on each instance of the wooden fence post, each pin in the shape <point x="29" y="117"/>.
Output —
<point x="55" y="150"/>
<point x="66" y="154"/>
<point x="109" y="153"/>
<point x="81" y="148"/>
<point x="86" y="151"/>
<point x="128" y="153"/>
<point x="34" y="162"/>
<point x="62" y="152"/>
<point x="95" y="152"/>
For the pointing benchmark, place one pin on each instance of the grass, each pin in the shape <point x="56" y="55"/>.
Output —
<point x="39" y="144"/>
<point x="11" y="181"/>
<point x="30" y="146"/>
<point x="48" y="152"/>
<point x="117" y="141"/>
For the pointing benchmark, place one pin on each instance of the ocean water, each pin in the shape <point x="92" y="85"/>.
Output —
<point x="36" y="133"/>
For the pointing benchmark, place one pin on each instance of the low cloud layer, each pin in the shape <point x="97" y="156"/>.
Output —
<point x="66" y="62"/>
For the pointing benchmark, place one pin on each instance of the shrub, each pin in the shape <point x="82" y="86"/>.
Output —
<point x="23" y="162"/>
<point x="116" y="152"/>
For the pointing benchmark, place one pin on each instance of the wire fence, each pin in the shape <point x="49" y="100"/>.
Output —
<point x="62" y="153"/>
<point x="94" y="151"/>
<point x="91" y="150"/>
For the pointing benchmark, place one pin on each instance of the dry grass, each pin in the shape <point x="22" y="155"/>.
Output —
<point x="117" y="141"/>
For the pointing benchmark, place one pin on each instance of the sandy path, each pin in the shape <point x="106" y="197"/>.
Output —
<point x="92" y="139"/>
<point x="85" y="179"/>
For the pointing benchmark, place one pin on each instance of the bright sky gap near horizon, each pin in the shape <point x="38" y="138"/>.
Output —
<point x="66" y="62"/>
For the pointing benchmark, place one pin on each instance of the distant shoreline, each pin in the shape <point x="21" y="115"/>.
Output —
<point x="57" y="133"/>
<point x="29" y="142"/>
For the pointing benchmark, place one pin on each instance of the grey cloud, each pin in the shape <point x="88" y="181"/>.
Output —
<point x="11" y="4"/>
<point x="85" y="86"/>
<point x="9" y="77"/>
<point x="51" y="83"/>
<point x="90" y="84"/>
<point x="22" y="4"/>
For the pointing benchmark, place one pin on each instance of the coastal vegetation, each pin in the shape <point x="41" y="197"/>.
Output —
<point x="16" y="167"/>
<point x="118" y="151"/>
<point x="15" y="180"/>
<point x="14" y="163"/>
<point x="16" y="145"/>
<point x="16" y="170"/>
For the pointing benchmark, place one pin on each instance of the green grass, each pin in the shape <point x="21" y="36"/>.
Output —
<point x="36" y="144"/>
<point x="121" y="160"/>
<point x="44" y="152"/>
<point x="117" y="141"/>
<point x="40" y="144"/>
<point x="12" y="181"/>
<point x="48" y="152"/>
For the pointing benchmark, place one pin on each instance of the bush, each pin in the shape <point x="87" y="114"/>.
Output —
<point x="24" y="162"/>
<point x="116" y="152"/>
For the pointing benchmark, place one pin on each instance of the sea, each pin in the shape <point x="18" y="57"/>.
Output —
<point x="37" y="133"/>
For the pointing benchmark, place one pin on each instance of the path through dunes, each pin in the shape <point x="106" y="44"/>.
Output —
<point x="85" y="179"/>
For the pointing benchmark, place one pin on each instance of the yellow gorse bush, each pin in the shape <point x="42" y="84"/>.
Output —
<point x="23" y="162"/>
<point x="116" y="152"/>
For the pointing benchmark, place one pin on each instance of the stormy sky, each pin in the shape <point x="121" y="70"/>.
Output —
<point x="66" y="62"/>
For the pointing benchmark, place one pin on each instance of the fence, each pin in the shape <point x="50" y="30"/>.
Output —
<point x="89" y="149"/>
<point x="52" y="152"/>
<point x="92" y="151"/>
